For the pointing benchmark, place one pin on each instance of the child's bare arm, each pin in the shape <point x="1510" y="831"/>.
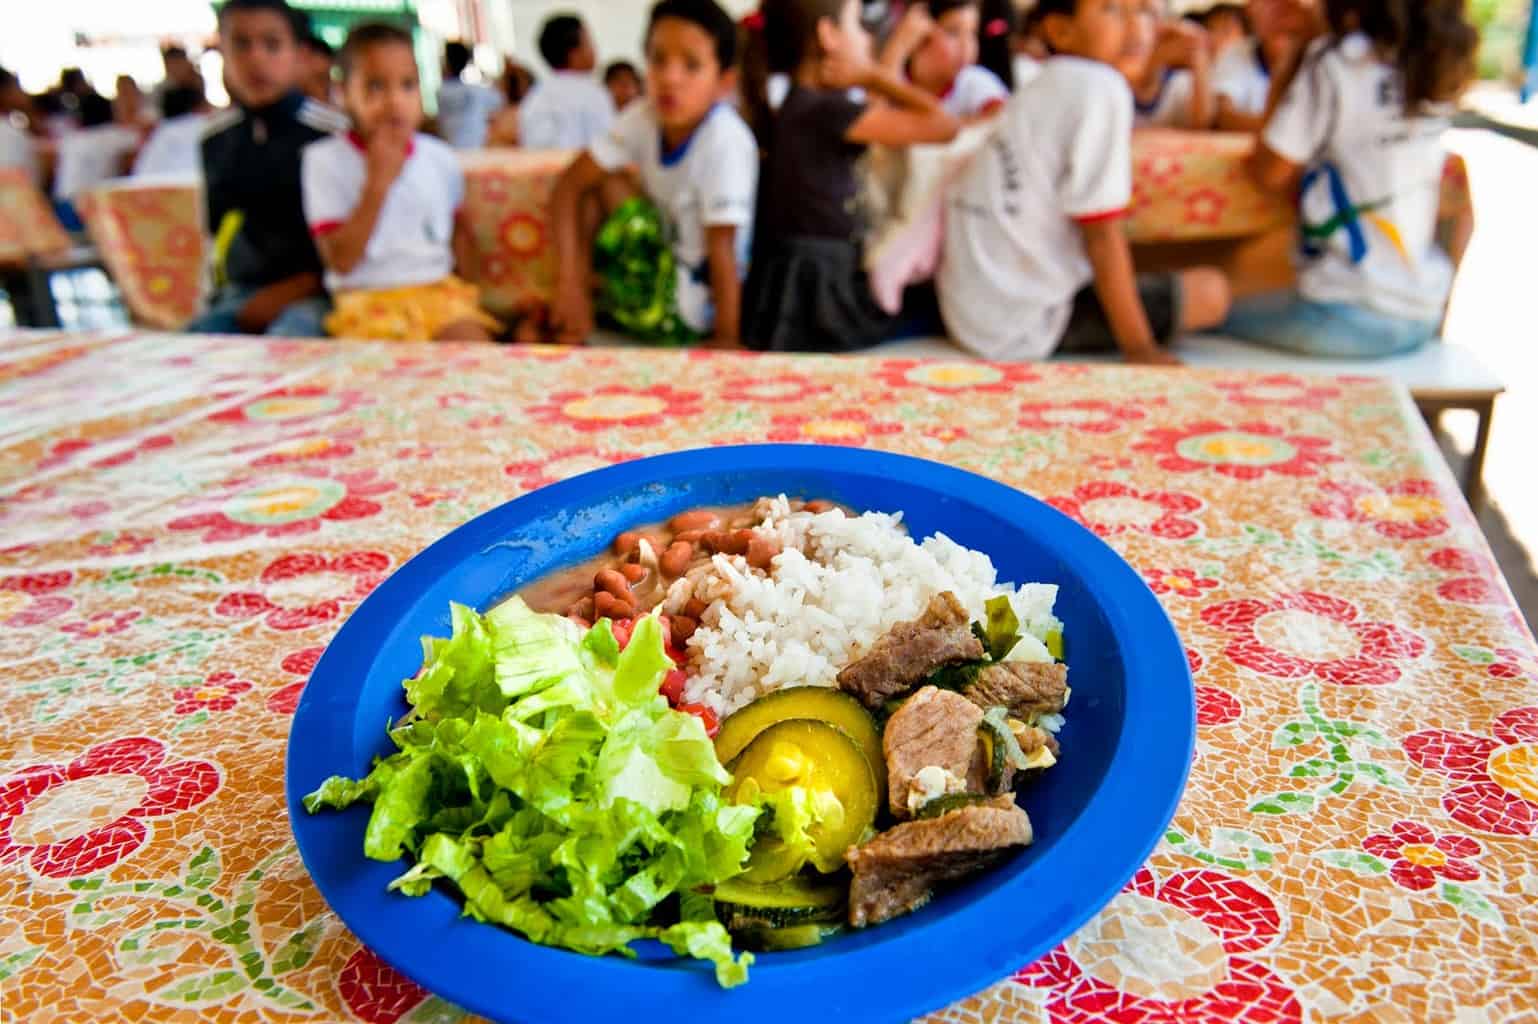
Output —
<point x="1116" y="285"/>
<point x="912" y="116"/>
<point x="467" y="263"/>
<point x="725" y="284"/>
<point x="1232" y="119"/>
<point x="571" y="313"/>
<point x="1273" y="172"/>
<point x="342" y="248"/>
<point x="264" y="305"/>
<point x="906" y="37"/>
<point x="1203" y="103"/>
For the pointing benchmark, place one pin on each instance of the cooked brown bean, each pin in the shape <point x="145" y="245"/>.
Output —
<point x="633" y="572"/>
<point x="761" y="551"/>
<point x="626" y="542"/>
<point x="607" y="606"/>
<point x="675" y="560"/>
<point x="583" y="609"/>
<point x="695" y="519"/>
<point x="612" y="581"/>
<point x="818" y="506"/>
<point x="690" y="536"/>
<point x="683" y="628"/>
<point x="695" y="608"/>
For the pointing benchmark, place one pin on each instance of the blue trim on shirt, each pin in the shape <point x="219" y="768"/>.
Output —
<point x="670" y="159"/>
<point x="1153" y="104"/>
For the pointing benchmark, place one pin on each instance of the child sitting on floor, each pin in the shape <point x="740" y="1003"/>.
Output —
<point x="567" y="109"/>
<point x="698" y="163"/>
<point x="1167" y="62"/>
<point x="1035" y="256"/>
<point x="807" y="289"/>
<point x="383" y="204"/>
<point x="1357" y="135"/>
<point x="935" y="45"/>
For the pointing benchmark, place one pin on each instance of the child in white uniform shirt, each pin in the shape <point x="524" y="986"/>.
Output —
<point x="567" y="109"/>
<point x="1035" y="257"/>
<point x="698" y="166"/>
<point x="1167" y="62"/>
<point x="464" y="108"/>
<point x="383" y="202"/>
<point x="1357" y="134"/>
<point x="936" y="46"/>
<point x="1241" y="76"/>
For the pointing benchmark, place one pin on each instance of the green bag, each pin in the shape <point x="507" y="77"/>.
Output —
<point x="639" y="276"/>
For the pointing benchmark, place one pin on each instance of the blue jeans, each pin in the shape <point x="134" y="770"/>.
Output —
<point x="303" y="319"/>
<point x="1286" y="320"/>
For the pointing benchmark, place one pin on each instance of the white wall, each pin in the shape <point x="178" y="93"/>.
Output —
<point x="617" y="25"/>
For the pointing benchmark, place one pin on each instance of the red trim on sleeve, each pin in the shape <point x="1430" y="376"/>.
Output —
<point x="1100" y="218"/>
<point x="991" y="106"/>
<point x="325" y="227"/>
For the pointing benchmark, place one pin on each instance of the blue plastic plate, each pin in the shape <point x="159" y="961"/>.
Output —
<point x="1097" y="815"/>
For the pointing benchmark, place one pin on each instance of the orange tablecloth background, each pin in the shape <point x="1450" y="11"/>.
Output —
<point x="185" y="522"/>
<point x="1188" y="187"/>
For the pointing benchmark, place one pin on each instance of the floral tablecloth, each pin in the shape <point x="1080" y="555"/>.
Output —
<point x="28" y="226"/>
<point x="184" y="523"/>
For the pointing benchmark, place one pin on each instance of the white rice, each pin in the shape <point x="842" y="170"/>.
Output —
<point x="839" y="584"/>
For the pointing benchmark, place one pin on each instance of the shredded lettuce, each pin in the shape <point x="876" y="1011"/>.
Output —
<point x="542" y="774"/>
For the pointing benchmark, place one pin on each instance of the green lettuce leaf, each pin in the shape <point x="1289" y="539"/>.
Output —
<point x="1001" y="631"/>
<point x="541" y="775"/>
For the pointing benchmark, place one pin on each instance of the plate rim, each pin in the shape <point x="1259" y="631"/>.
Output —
<point x="574" y="986"/>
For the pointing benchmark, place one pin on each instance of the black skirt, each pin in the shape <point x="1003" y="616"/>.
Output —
<point x="810" y="295"/>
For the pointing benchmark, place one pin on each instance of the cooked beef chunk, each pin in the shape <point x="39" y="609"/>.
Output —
<point x="910" y="651"/>
<point x="933" y="728"/>
<point x="895" y="872"/>
<point x="1026" y="688"/>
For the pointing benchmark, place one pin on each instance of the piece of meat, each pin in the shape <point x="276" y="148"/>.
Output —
<point x="1026" y="688"/>
<point x="910" y="651"/>
<point x="933" y="727"/>
<point x="896" y="872"/>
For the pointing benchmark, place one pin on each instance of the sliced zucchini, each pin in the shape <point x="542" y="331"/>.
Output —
<point x="1054" y="643"/>
<point x="821" y="758"/>
<point x="816" y="703"/>
<point x="773" y="940"/>
<point x="786" y="903"/>
<point x="995" y="746"/>
<point x="950" y="802"/>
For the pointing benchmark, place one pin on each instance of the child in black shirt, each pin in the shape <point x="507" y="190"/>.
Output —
<point x="266" y="270"/>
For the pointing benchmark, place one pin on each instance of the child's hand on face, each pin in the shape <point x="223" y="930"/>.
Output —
<point x="913" y="29"/>
<point x="386" y="156"/>
<point x="841" y="71"/>
<point x="1180" y="45"/>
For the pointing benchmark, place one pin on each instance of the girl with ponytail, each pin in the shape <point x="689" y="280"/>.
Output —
<point x="1355" y="130"/>
<point x="806" y="289"/>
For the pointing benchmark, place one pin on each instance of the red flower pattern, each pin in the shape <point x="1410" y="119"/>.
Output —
<point x="281" y="506"/>
<point x="1278" y="389"/>
<point x="167" y="788"/>
<point x="1209" y="923"/>
<point x="1247" y="451"/>
<point x="101" y="624"/>
<point x="1410" y="510"/>
<point x="1180" y="582"/>
<point x="1217" y="707"/>
<point x="1308" y="634"/>
<point x="852" y="427"/>
<point x="1418" y="856"/>
<point x="560" y="464"/>
<point x="121" y="544"/>
<point x="30" y="599"/>
<point x="315" y="599"/>
<point x="1111" y="508"/>
<point x="1087" y="416"/>
<point x="617" y="406"/>
<point x="1497" y="775"/>
<point x="220" y="692"/>
<point x="1478" y="580"/>
<point x="947" y="378"/>
<point x="285" y="699"/>
<point x="375" y="992"/>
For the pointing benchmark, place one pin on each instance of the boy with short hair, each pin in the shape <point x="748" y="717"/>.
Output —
<point x="383" y="203"/>
<point x="698" y="163"/>
<point x="624" y="83"/>
<point x="316" y="58"/>
<point x="567" y="109"/>
<point x="265" y="265"/>
<point x="464" y="108"/>
<point x="1035" y="257"/>
<point x="1242" y="75"/>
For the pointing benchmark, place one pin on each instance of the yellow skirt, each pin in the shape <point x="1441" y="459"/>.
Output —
<point x="414" y="313"/>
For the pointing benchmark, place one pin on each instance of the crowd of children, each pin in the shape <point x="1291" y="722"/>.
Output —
<point x="717" y="195"/>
